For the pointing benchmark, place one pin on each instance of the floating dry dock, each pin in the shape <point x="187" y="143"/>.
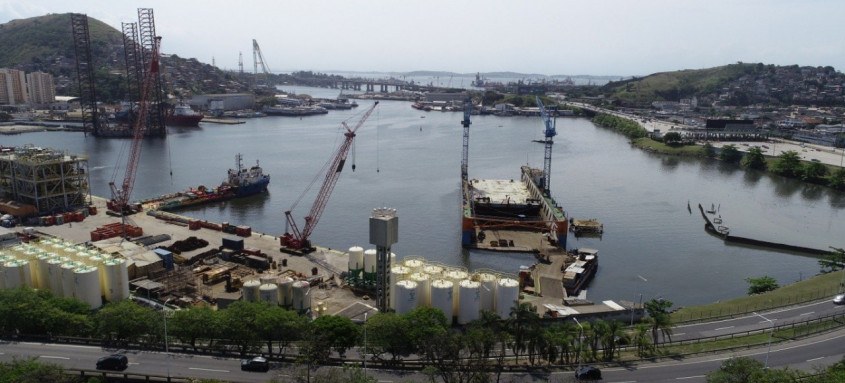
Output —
<point x="520" y="206"/>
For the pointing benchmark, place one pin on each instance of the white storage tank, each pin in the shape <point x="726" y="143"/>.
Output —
<point x="397" y="274"/>
<point x="301" y="296"/>
<point x="370" y="261"/>
<point x="2" y="271"/>
<point x="266" y="278"/>
<point x="507" y="295"/>
<point x="356" y="261"/>
<point x="470" y="298"/>
<point x="415" y="264"/>
<point x="250" y="290"/>
<point x="69" y="279"/>
<point x="423" y="288"/>
<point x="54" y="270"/>
<point x="487" y="290"/>
<point x="41" y="274"/>
<point x="456" y="276"/>
<point x="269" y="293"/>
<point x="87" y="286"/>
<point x="406" y="296"/>
<point x="13" y="274"/>
<point x="434" y="271"/>
<point x="441" y="296"/>
<point x="117" y="278"/>
<point x="285" y="291"/>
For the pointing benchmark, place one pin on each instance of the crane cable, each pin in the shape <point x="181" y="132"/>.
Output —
<point x="378" y="138"/>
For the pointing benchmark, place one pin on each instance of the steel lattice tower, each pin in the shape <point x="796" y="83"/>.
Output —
<point x="147" y="39"/>
<point x="131" y="56"/>
<point x="85" y="72"/>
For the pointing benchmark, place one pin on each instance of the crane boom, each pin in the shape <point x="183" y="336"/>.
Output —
<point x="465" y="153"/>
<point x="550" y="132"/>
<point x="298" y="240"/>
<point x="120" y="197"/>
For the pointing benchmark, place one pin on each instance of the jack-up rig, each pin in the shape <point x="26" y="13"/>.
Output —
<point x="297" y="241"/>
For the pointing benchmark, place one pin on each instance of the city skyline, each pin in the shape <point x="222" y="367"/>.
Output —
<point x="612" y="38"/>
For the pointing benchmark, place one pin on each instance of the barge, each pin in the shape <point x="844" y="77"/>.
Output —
<point x="510" y="205"/>
<point x="241" y="182"/>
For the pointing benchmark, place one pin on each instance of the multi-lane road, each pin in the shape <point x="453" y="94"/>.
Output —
<point x="803" y="354"/>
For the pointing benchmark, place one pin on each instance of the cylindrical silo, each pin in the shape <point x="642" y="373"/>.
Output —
<point x="87" y="286"/>
<point x="397" y="274"/>
<point x="12" y="274"/>
<point x="507" y="294"/>
<point x="415" y="264"/>
<point x="267" y="278"/>
<point x="487" y="290"/>
<point x="301" y="296"/>
<point x="2" y="272"/>
<point x="423" y="288"/>
<point x="250" y="290"/>
<point x="41" y="276"/>
<point x="285" y="291"/>
<point x="470" y="298"/>
<point x="54" y="270"/>
<point x="69" y="279"/>
<point x="356" y="261"/>
<point x="406" y="296"/>
<point x="370" y="264"/>
<point x="441" y="296"/>
<point x="117" y="276"/>
<point x="434" y="271"/>
<point x="456" y="276"/>
<point x="269" y="293"/>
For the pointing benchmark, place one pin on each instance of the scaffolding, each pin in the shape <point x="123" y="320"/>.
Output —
<point x="50" y="180"/>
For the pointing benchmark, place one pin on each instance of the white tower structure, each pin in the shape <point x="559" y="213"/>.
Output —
<point x="384" y="232"/>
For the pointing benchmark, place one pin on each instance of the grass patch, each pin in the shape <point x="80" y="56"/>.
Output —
<point x="648" y="144"/>
<point x="818" y="287"/>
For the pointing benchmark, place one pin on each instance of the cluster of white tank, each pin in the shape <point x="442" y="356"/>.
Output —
<point x="67" y="270"/>
<point x="415" y="282"/>
<point x="283" y="291"/>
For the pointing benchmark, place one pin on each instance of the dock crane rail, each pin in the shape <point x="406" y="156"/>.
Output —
<point x="297" y="239"/>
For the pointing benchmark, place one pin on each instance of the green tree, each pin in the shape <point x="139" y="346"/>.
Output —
<point x="277" y="324"/>
<point x="564" y="337"/>
<point x="339" y="332"/>
<point x="347" y="374"/>
<point x="708" y="151"/>
<point x="387" y="334"/>
<point x="126" y="321"/>
<point x="641" y="340"/>
<point x="761" y="285"/>
<point x="837" y="179"/>
<point x="194" y="324"/>
<point x="833" y="261"/>
<point x="747" y="370"/>
<point x="522" y="320"/>
<point x="5" y="117"/>
<point x="31" y="311"/>
<point x="239" y="323"/>
<point x="814" y="172"/>
<point x="754" y="159"/>
<point x="788" y="164"/>
<point x="658" y="312"/>
<point x="611" y="339"/>
<point x="424" y="324"/>
<point x="32" y="371"/>
<point x="730" y="154"/>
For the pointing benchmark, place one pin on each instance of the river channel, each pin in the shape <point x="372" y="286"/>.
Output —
<point x="410" y="160"/>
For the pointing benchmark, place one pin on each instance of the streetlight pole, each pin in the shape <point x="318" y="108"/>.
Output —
<point x="365" y="344"/>
<point x="166" y="346"/>
<point x="771" y="332"/>
<point x="580" y="340"/>
<point x="633" y="308"/>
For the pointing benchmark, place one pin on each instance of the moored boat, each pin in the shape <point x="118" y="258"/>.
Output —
<point x="183" y="115"/>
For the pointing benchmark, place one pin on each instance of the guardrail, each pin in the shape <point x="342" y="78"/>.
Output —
<point x="110" y="376"/>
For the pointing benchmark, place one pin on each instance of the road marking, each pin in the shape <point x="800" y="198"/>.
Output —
<point x="134" y="363"/>
<point x="207" y="369"/>
<point x="765" y="321"/>
<point x="53" y="357"/>
<point x="815" y="359"/>
<point x="724" y="328"/>
<point x="679" y="334"/>
<point x="59" y="345"/>
<point x="811" y="312"/>
<point x="643" y="278"/>
<point x="690" y="377"/>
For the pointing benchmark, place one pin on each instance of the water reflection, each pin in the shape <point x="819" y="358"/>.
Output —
<point x="812" y="192"/>
<point x="751" y="177"/>
<point x="669" y="162"/>
<point x="785" y="187"/>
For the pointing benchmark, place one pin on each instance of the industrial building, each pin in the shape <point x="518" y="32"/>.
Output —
<point x="49" y="180"/>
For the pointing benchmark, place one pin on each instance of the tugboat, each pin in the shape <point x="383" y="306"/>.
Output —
<point x="248" y="181"/>
<point x="183" y="115"/>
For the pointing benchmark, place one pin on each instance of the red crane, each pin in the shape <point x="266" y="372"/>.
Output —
<point x="119" y="202"/>
<point x="295" y="239"/>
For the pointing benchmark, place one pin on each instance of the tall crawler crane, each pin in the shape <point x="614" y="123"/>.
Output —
<point x="549" y="132"/>
<point x="119" y="202"/>
<point x="295" y="239"/>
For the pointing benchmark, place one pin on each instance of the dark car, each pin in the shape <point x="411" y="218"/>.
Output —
<point x="113" y="362"/>
<point x="255" y="364"/>
<point x="587" y="373"/>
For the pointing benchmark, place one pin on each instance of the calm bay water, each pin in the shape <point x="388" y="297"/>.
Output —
<point x="410" y="160"/>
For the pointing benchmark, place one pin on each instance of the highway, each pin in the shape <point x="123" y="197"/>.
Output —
<point x="802" y="354"/>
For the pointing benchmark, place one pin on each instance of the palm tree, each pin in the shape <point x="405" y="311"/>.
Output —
<point x="641" y="339"/>
<point x="611" y="339"/>
<point x="522" y="318"/>
<point x="658" y="311"/>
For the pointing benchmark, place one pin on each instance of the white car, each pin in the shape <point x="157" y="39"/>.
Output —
<point x="839" y="299"/>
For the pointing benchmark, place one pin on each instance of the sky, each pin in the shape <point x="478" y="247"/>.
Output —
<point x="552" y="37"/>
